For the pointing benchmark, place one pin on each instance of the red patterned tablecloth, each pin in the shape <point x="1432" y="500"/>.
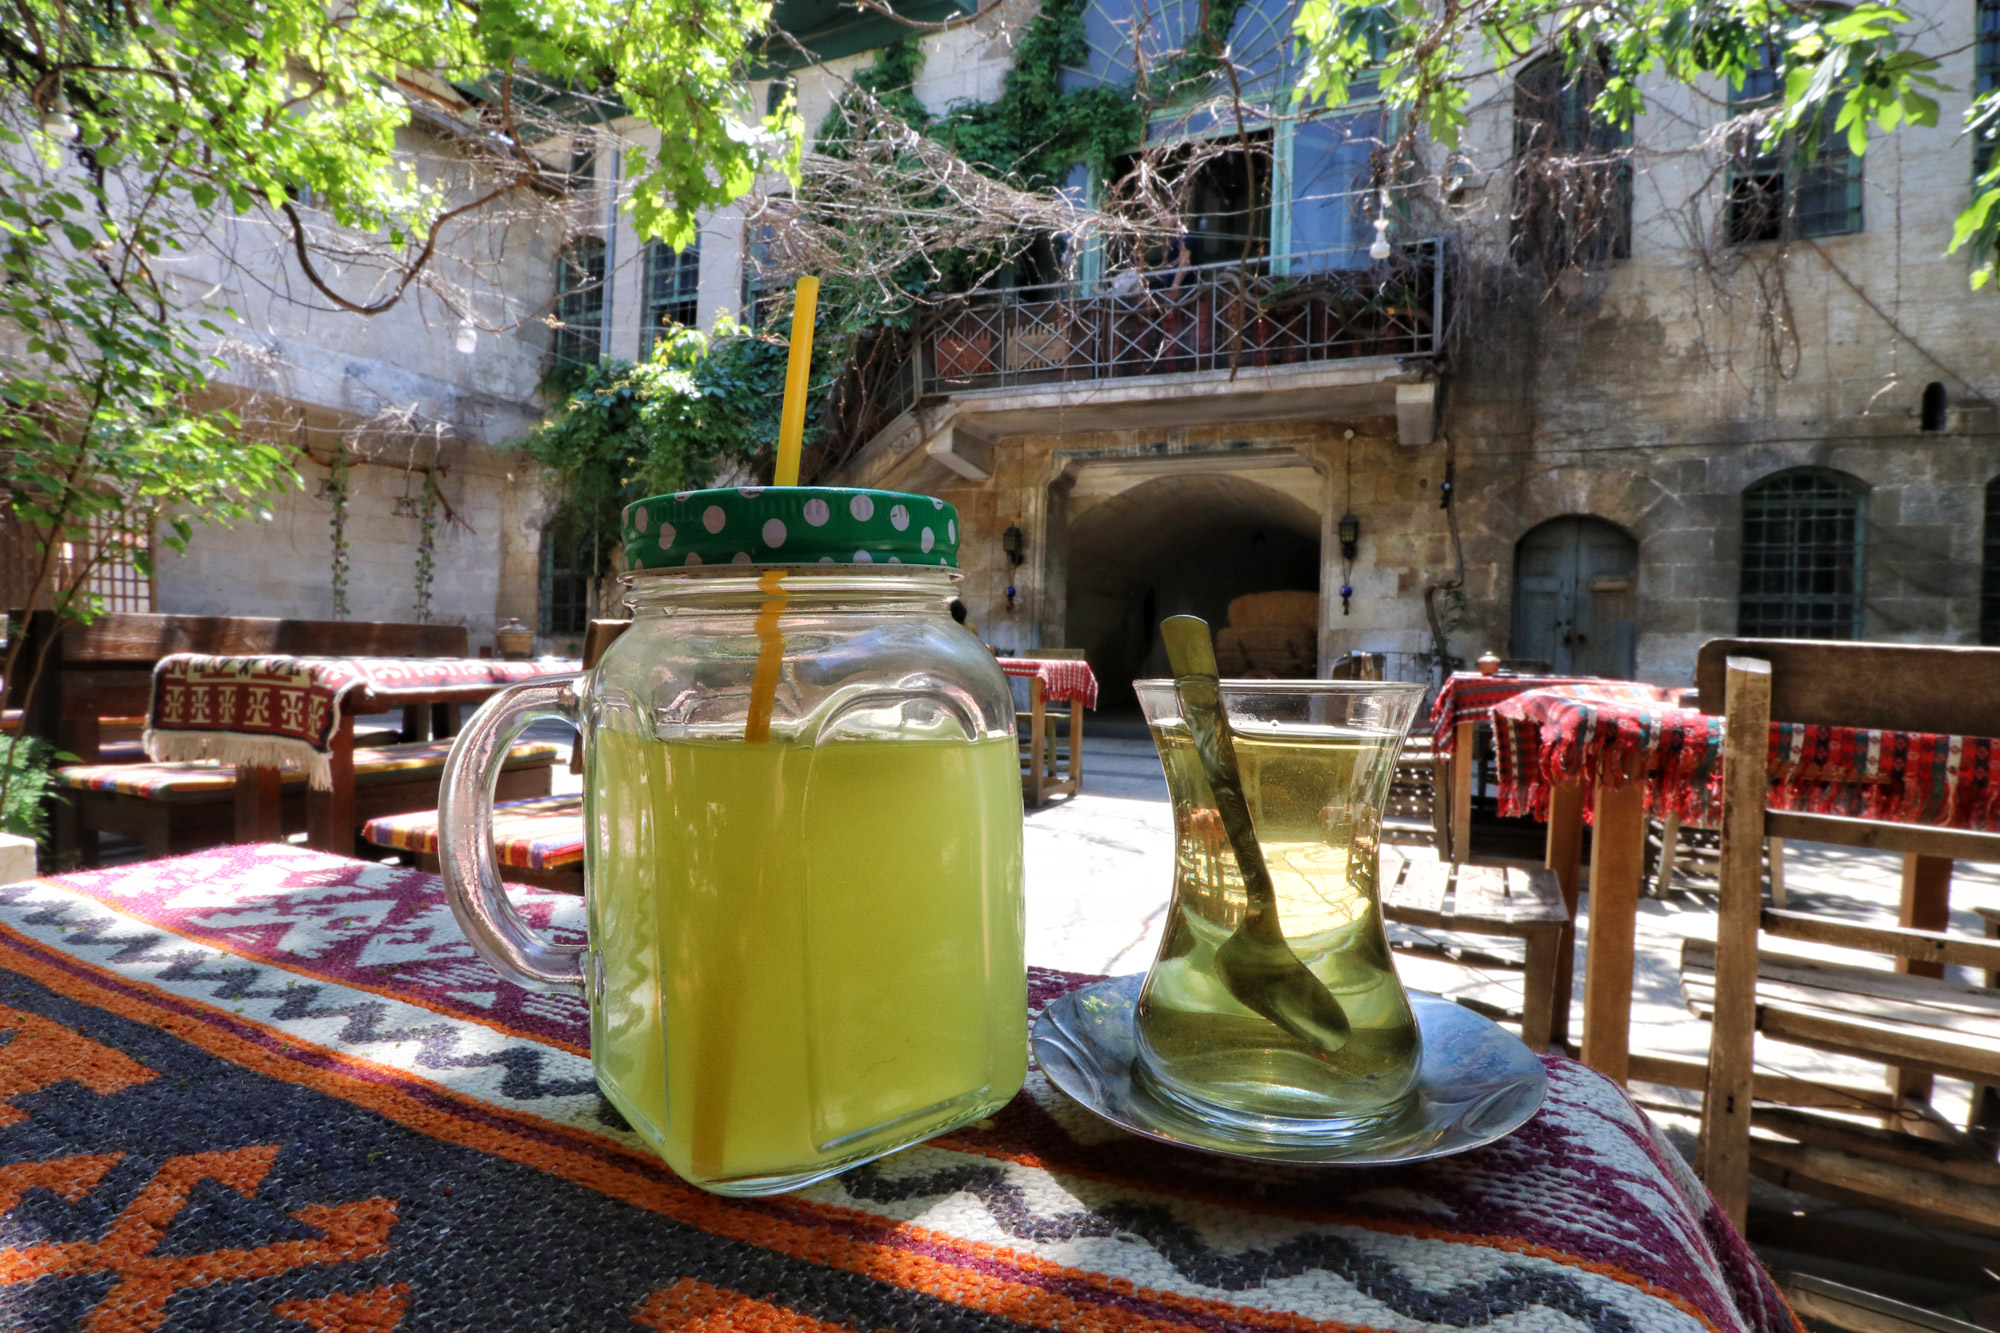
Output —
<point x="1064" y="680"/>
<point x="275" y="710"/>
<point x="1587" y="733"/>
<point x="1467" y="696"/>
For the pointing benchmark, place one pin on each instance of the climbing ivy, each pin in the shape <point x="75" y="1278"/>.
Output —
<point x="427" y="516"/>
<point x="337" y="490"/>
<point x="702" y="405"/>
<point x="707" y="404"/>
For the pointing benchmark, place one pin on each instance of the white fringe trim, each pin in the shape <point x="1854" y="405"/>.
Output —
<point x="233" y="747"/>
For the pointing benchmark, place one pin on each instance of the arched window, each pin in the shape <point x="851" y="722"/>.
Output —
<point x="1932" y="414"/>
<point x="580" y="303"/>
<point x="1989" y="569"/>
<point x="1802" y="535"/>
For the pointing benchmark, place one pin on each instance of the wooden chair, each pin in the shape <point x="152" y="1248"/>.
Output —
<point x="1414" y="814"/>
<point x="1421" y="889"/>
<point x="1909" y="1019"/>
<point x="1051" y="738"/>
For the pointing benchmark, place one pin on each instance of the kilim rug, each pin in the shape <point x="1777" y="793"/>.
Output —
<point x="267" y="1089"/>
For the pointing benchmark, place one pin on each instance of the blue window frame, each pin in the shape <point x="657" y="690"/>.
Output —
<point x="673" y="290"/>
<point x="1787" y="191"/>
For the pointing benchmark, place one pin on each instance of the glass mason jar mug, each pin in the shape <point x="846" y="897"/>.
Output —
<point x="803" y="839"/>
<point x="1274" y="1010"/>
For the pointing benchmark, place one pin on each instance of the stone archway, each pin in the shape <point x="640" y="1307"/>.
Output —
<point x="1184" y="544"/>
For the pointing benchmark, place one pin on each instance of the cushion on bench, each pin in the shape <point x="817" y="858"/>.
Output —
<point x="540" y="833"/>
<point x="205" y="778"/>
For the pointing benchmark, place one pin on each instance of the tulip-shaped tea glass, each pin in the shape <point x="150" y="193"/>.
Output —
<point x="1314" y="760"/>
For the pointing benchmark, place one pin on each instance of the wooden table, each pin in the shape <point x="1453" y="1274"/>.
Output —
<point x="1466" y="700"/>
<point x="1602" y="749"/>
<point x="1058" y="680"/>
<point x="255" y="709"/>
<point x="447" y="1151"/>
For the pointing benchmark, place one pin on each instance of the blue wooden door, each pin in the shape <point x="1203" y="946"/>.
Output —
<point x="1574" y="603"/>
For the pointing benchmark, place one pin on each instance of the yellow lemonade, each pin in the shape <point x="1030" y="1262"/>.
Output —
<point x="808" y="955"/>
<point x="1314" y="796"/>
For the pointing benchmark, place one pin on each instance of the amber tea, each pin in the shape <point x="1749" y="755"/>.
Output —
<point x="1315" y="793"/>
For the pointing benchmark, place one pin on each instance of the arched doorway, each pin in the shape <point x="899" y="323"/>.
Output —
<point x="1575" y="607"/>
<point x="1179" y="545"/>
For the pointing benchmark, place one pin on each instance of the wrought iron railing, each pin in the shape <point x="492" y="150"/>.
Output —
<point x="1233" y="316"/>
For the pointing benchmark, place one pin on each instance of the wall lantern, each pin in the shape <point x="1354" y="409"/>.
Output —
<point x="1350" y="536"/>
<point x="1011" y="542"/>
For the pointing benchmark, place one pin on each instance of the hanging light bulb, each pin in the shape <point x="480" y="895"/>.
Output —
<point x="468" y="338"/>
<point x="1380" y="250"/>
<point x="57" y="123"/>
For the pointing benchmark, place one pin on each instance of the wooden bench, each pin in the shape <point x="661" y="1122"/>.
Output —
<point x="538" y="841"/>
<point x="1912" y="1019"/>
<point x="1423" y="891"/>
<point x="177" y="808"/>
<point x="81" y="674"/>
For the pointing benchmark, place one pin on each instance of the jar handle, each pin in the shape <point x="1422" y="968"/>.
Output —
<point x="465" y="838"/>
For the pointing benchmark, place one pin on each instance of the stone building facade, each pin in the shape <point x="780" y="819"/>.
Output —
<point x="1607" y="436"/>
<point x="1703" y="429"/>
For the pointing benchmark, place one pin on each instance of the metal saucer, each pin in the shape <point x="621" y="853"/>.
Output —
<point x="1478" y="1084"/>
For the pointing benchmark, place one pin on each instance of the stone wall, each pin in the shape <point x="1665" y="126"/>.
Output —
<point x="1647" y="393"/>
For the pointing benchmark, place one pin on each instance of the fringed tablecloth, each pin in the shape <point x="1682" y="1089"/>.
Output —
<point x="1586" y="733"/>
<point x="1467" y="696"/>
<point x="272" y="711"/>
<point x="263" y="1087"/>
<point x="1064" y="680"/>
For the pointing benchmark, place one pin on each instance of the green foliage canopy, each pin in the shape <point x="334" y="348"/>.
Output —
<point x="133" y="135"/>
<point x="632" y="429"/>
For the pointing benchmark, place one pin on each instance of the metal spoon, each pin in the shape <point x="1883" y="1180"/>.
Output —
<point x="1256" y="963"/>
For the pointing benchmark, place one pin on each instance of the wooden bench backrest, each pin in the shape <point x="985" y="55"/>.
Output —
<point x="104" y="669"/>
<point x="1948" y="690"/>
<point x="134" y="639"/>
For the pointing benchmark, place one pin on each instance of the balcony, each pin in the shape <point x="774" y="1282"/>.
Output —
<point x="1229" y="318"/>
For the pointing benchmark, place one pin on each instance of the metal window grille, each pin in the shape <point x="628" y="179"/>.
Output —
<point x="1989" y="570"/>
<point x="1802" y="549"/>
<point x="1790" y="192"/>
<point x="673" y="289"/>
<point x="568" y="564"/>
<point x="580" y="303"/>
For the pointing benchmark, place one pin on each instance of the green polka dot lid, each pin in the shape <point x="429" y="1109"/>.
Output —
<point x="789" y="525"/>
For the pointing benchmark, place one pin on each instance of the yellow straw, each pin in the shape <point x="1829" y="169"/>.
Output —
<point x="715" y="1052"/>
<point x="792" y="423"/>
